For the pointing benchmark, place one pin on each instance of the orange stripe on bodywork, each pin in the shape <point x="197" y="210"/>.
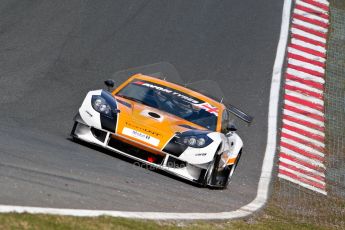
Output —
<point x="231" y="161"/>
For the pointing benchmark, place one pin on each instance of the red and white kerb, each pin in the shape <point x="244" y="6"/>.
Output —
<point x="302" y="143"/>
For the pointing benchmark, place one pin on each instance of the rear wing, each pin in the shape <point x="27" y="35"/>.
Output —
<point x="240" y="114"/>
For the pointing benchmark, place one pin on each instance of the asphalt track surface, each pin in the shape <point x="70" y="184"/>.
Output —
<point x="53" y="52"/>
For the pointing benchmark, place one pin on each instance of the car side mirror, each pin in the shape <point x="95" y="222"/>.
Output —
<point x="231" y="127"/>
<point x="109" y="83"/>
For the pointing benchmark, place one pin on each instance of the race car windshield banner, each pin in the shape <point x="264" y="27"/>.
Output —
<point x="187" y="98"/>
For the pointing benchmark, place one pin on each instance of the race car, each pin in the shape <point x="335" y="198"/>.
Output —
<point x="164" y="125"/>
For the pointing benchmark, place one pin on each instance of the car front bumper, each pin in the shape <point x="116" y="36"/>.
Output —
<point x="165" y="162"/>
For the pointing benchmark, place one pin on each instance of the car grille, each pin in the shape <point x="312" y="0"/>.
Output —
<point x="136" y="152"/>
<point x="173" y="162"/>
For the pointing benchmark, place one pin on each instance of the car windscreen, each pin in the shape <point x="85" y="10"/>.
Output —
<point x="172" y="101"/>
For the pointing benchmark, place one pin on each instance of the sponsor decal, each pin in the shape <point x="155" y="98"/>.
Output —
<point x="140" y="136"/>
<point x="143" y="129"/>
<point x="169" y="91"/>
<point x="208" y="108"/>
<point x="200" y="104"/>
<point x="88" y="113"/>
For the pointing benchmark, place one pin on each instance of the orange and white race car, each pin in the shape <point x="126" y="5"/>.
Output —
<point x="164" y="125"/>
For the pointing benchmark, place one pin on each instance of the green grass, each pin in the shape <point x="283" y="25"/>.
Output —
<point x="340" y="4"/>
<point x="272" y="218"/>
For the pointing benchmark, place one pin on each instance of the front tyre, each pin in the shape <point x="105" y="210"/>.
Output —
<point x="232" y="167"/>
<point x="218" y="177"/>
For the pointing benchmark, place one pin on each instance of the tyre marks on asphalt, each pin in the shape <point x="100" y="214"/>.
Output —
<point x="302" y="143"/>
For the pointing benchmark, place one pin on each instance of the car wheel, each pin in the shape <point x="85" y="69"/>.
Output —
<point x="216" y="178"/>
<point x="232" y="168"/>
<point x="220" y="179"/>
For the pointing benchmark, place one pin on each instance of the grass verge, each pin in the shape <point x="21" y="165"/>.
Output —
<point x="271" y="218"/>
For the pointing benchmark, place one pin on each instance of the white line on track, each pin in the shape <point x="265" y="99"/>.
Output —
<point x="309" y="25"/>
<point x="302" y="175"/>
<point x="305" y="76"/>
<point x="302" y="184"/>
<point x="306" y="55"/>
<point x="305" y="138"/>
<point x="297" y="165"/>
<point x="306" y="65"/>
<point x="309" y="15"/>
<point x="303" y="86"/>
<point x="308" y="35"/>
<point x="314" y="8"/>
<point x="303" y="117"/>
<point x="308" y="45"/>
<point x="266" y="170"/>
<point x="305" y="128"/>
<point x="304" y="97"/>
<point x="325" y="2"/>
<point x="302" y="146"/>
<point x="301" y="157"/>
<point x="307" y="109"/>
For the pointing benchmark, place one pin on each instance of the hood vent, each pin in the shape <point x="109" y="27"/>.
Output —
<point x="154" y="115"/>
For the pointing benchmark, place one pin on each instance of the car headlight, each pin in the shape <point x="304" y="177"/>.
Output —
<point x="100" y="105"/>
<point x="195" y="141"/>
